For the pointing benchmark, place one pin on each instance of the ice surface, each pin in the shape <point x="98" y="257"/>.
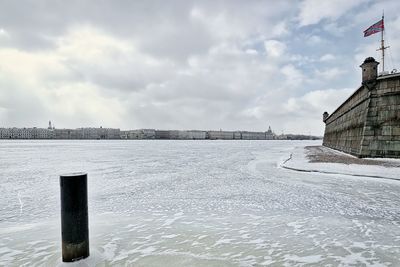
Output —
<point x="194" y="203"/>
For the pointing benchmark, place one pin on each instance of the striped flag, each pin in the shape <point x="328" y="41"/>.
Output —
<point x="377" y="27"/>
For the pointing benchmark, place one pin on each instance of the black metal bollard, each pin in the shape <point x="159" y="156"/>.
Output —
<point x="74" y="217"/>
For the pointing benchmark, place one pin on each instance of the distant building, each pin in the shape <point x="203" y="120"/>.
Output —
<point x="192" y="135"/>
<point x="25" y="133"/>
<point x="269" y="135"/>
<point x="196" y="135"/>
<point x="41" y="133"/>
<point x="221" y="135"/>
<point x="237" y="135"/>
<point x="173" y="134"/>
<point x="88" y="133"/>
<point x="124" y="134"/>
<point x="183" y="135"/>
<point x="142" y="134"/>
<point x="162" y="134"/>
<point x="65" y="134"/>
<point x="253" y="135"/>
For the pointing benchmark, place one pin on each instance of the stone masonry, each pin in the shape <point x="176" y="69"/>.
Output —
<point x="367" y="124"/>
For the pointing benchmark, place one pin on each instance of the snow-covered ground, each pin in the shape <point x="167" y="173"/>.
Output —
<point x="298" y="161"/>
<point x="195" y="203"/>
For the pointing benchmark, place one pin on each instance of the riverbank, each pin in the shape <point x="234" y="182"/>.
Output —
<point x="325" y="160"/>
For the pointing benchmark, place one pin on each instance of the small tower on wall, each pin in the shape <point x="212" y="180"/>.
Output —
<point x="49" y="126"/>
<point x="369" y="71"/>
<point x="325" y="116"/>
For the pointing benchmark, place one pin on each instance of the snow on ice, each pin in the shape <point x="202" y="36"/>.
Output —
<point x="197" y="203"/>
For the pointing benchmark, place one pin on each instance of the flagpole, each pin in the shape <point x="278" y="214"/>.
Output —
<point x="383" y="43"/>
<point x="382" y="48"/>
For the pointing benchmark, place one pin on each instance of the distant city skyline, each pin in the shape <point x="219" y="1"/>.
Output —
<point x="231" y="65"/>
<point x="100" y="133"/>
<point x="51" y="125"/>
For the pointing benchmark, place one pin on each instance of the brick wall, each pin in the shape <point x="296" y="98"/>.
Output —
<point x="367" y="124"/>
<point x="344" y="127"/>
<point x="382" y="127"/>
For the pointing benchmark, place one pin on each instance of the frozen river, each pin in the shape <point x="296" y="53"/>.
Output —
<point x="195" y="203"/>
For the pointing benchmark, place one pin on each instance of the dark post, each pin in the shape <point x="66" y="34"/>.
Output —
<point x="74" y="217"/>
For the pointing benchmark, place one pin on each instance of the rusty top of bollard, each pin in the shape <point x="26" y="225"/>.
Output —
<point x="73" y="174"/>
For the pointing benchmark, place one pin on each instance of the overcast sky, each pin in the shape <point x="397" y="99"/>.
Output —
<point x="231" y="65"/>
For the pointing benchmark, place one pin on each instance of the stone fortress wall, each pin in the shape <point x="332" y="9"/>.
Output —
<point x="367" y="124"/>
<point x="344" y="128"/>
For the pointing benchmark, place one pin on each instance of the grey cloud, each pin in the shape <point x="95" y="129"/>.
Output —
<point x="19" y="107"/>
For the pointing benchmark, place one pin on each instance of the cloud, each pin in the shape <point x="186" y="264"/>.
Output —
<point x="318" y="101"/>
<point x="327" y="57"/>
<point x="313" y="11"/>
<point x="293" y="76"/>
<point x="310" y="107"/>
<point x="274" y="48"/>
<point x="39" y="83"/>
<point x="69" y="104"/>
<point x="4" y="34"/>
<point x="315" y="40"/>
<point x="108" y="61"/>
<point x="330" y="74"/>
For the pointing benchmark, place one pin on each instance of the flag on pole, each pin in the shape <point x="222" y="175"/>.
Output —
<point x="377" y="27"/>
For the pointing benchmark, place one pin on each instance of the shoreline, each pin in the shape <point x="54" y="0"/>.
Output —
<point x="320" y="159"/>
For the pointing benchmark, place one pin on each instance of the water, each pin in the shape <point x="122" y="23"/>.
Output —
<point x="194" y="203"/>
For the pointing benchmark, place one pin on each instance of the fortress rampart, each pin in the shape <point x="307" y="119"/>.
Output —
<point x="367" y="124"/>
